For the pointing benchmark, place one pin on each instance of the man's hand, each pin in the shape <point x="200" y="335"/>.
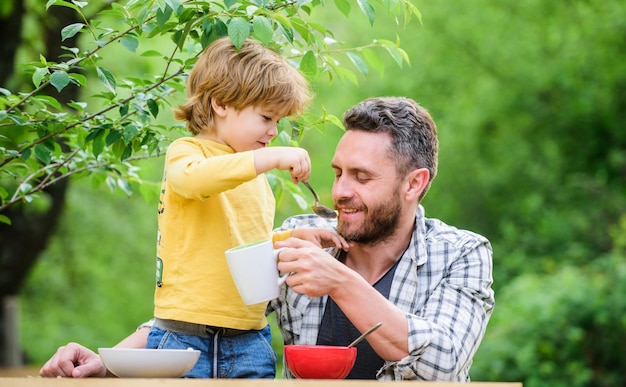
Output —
<point x="73" y="361"/>
<point x="314" y="272"/>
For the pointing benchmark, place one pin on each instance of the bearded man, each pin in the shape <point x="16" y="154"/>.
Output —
<point x="427" y="282"/>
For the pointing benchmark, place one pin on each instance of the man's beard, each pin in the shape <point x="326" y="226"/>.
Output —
<point x="379" y="224"/>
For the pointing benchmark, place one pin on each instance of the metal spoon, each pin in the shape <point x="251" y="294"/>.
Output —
<point x="367" y="332"/>
<point x="318" y="208"/>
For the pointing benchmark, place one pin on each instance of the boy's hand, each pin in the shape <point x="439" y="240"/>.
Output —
<point x="284" y="158"/>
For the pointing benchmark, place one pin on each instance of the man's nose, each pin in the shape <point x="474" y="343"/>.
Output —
<point x="341" y="188"/>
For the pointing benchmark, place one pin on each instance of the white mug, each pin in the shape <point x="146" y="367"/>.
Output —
<point x="253" y="267"/>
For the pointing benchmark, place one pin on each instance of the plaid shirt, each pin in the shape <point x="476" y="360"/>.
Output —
<point x="443" y="285"/>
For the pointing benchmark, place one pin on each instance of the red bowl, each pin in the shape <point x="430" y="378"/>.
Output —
<point x="319" y="361"/>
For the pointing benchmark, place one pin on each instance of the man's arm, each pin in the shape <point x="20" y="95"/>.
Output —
<point x="445" y="333"/>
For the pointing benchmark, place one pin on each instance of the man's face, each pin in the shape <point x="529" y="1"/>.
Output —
<point x="366" y="191"/>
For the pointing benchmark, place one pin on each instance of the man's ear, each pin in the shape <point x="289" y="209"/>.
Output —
<point x="417" y="181"/>
<point x="218" y="108"/>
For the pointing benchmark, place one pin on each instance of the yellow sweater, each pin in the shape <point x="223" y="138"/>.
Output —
<point x="211" y="200"/>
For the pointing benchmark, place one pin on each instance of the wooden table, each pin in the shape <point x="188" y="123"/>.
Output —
<point x="128" y="382"/>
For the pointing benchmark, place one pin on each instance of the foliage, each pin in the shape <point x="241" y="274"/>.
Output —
<point x="567" y="329"/>
<point x="43" y="142"/>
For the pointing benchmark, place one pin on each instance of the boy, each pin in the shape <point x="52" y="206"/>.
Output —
<point x="215" y="196"/>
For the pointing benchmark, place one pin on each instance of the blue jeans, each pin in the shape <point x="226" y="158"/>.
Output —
<point x="249" y="355"/>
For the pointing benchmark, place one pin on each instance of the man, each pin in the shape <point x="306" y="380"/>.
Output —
<point x="427" y="282"/>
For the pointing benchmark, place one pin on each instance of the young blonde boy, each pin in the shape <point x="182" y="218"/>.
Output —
<point x="215" y="196"/>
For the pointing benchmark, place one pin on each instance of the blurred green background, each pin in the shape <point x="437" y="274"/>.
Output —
<point x="530" y="101"/>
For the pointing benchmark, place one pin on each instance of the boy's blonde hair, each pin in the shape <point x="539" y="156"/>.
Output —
<point x="251" y="76"/>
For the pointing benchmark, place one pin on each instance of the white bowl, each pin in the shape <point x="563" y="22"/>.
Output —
<point x="148" y="363"/>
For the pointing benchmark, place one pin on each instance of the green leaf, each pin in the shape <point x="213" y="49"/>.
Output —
<point x="59" y="79"/>
<point x="43" y="153"/>
<point x="5" y="219"/>
<point x="174" y="4"/>
<point x="153" y="107"/>
<point x="343" y="6"/>
<point x="238" y="31"/>
<point x="130" y="132"/>
<point x="124" y="109"/>
<point x="118" y="149"/>
<point x="163" y="15"/>
<point x="128" y="151"/>
<point x="25" y="188"/>
<point x="308" y="65"/>
<point x="358" y="62"/>
<point x="26" y="154"/>
<point x="78" y="106"/>
<point x="113" y="136"/>
<point x="396" y="52"/>
<point x="93" y="133"/>
<point x="180" y="36"/>
<point x="130" y="42"/>
<point x="63" y="4"/>
<point x="71" y="30"/>
<point x="125" y="186"/>
<point x="262" y="29"/>
<point x="344" y="73"/>
<point x="78" y="79"/>
<point x="187" y="15"/>
<point x="367" y="9"/>
<point x="287" y="30"/>
<point x="39" y="74"/>
<point x="150" y="53"/>
<point x="163" y="5"/>
<point x="374" y="61"/>
<point x="230" y="3"/>
<point x="302" y="28"/>
<point x="106" y="78"/>
<point x="98" y="143"/>
<point x="48" y="100"/>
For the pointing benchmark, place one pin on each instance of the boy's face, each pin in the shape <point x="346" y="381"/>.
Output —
<point x="248" y="129"/>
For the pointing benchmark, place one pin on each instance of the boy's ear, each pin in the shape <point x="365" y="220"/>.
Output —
<point x="218" y="108"/>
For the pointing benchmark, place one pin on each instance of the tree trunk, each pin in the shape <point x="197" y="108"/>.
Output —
<point x="10" y="328"/>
